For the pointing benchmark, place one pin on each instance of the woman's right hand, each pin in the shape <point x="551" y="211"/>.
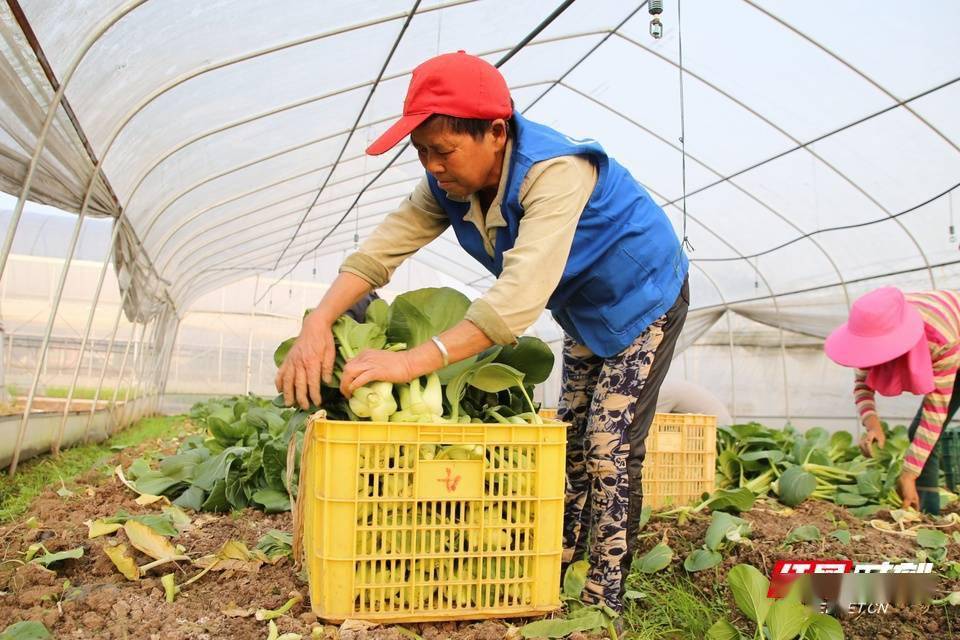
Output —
<point x="310" y="359"/>
<point x="874" y="433"/>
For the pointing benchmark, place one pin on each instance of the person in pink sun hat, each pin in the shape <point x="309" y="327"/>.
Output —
<point x="905" y="343"/>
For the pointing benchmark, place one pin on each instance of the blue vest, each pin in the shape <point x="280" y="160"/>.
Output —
<point x="625" y="267"/>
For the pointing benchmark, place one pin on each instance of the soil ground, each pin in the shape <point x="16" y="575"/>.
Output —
<point x="771" y="523"/>
<point x="98" y="602"/>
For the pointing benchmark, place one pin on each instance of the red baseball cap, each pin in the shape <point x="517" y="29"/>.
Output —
<point x="454" y="84"/>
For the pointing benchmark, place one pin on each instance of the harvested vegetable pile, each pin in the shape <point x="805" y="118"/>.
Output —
<point x="813" y="464"/>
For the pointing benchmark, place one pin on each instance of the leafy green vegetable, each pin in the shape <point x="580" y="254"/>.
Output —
<point x="749" y="588"/>
<point x="48" y="558"/>
<point x="561" y="628"/>
<point x="26" y="630"/>
<point x="823" y="627"/>
<point x="723" y="630"/>
<point x="724" y="526"/>
<point x="814" y="464"/>
<point x="841" y="535"/>
<point x="161" y="523"/>
<point x="282" y="350"/>
<point x="575" y="579"/>
<point x="654" y="560"/>
<point x="273" y="501"/>
<point x="241" y="459"/>
<point x="416" y="316"/>
<point x="931" y="538"/>
<point x="730" y="500"/>
<point x="787" y="619"/>
<point x="804" y="533"/>
<point x="276" y="544"/>
<point x="271" y="614"/>
<point x="701" y="559"/>
<point x="530" y="356"/>
<point x="795" y="486"/>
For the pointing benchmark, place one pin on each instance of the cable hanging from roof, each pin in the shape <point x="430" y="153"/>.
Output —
<point x="866" y="223"/>
<point x="353" y="129"/>
<point x="683" y="132"/>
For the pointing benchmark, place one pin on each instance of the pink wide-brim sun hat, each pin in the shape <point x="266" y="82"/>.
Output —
<point x="882" y="326"/>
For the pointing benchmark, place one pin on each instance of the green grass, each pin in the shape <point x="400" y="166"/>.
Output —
<point x="42" y="472"/>
<point x="84" y="393"/>
<point x="671" y="607"/>
<point x="80" y="393"/>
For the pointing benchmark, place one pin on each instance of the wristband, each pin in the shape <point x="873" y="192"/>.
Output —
<point x="443" y="350"/>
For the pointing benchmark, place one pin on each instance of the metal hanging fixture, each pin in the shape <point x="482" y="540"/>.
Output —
<point x="656" y="27"/>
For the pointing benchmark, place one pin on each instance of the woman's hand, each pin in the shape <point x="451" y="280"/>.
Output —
<point x="374" y="365"/>
<point x="309" y="360"/>
<point x="874" y="433"/>
<point x="907" y="487"/>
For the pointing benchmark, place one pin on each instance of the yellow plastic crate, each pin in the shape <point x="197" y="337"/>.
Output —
<point x="681" y="461"/>
<point x="392" y="536"/>
<point x="548" y="414"/>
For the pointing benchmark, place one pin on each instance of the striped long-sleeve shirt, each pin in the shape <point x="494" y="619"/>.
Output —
<point x="940" y="311"/>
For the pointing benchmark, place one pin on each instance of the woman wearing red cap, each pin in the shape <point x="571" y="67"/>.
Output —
<point x="563" y="227"/>
<point x="905" y="343"/>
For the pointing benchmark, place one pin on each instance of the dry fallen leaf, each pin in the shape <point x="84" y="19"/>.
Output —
<point x="120" y="555"/>
<point x="232" y="556"/>
<point x="513" y="633"/>
<point x="233" y="611"/>
<point x="145" y="498"/>
<point x="97" y="528"/>
<point x="149" y="541"/>
<point x="356" y="626"/>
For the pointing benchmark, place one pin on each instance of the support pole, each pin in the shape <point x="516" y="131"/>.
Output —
<point x="87" y="329"/>
<point x="41" y="358"/>
<point x="174" y="348"/>
<point x="106" y="363"/>
<point x="116" y="388"/>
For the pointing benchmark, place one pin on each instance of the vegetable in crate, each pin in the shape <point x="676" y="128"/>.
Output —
<point x="493" y="386"/>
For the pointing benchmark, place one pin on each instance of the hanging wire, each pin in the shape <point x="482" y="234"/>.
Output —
<point x="356" y="123"/>
<point x="683" y="135"/>
<point x="953" y="235"/>
<point x="843" y="227"/>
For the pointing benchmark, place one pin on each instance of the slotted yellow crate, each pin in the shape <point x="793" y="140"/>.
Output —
<point x="395" y="531"/>
<point x="681" y="461"/>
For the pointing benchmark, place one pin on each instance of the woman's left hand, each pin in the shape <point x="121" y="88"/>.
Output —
<point x="374" y="365"/>
<point x="907" y="487"/>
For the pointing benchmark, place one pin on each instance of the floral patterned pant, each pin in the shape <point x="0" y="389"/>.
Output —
<point x="609" y="404"/>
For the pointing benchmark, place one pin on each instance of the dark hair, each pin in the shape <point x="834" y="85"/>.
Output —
<point x="475" y="127"/>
